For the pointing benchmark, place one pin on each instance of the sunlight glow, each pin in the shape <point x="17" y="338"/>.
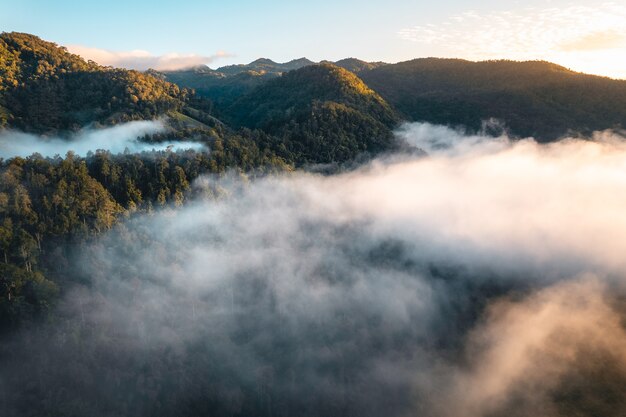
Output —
<point x="583" y="38"/>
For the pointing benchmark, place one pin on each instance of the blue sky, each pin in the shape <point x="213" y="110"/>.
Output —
<point x="391" y="30"/>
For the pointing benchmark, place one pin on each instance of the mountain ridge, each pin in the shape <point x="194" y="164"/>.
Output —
<point x="44" y="88"/>
<point x="320" y="113"/>
<point x="534" y="98"/>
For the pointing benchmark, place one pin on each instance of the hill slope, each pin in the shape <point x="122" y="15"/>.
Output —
<point x="264" y="65"/>
<point x="221" y="88"/>
<point x="44" y="88"/>
<point x="226" y="84"/>
<point x="320" y="112"/>
<point x="534" y="98"/>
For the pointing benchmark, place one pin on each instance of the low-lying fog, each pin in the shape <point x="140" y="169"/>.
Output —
<point x="116" y="139"/>
<point x="485" y="279"/>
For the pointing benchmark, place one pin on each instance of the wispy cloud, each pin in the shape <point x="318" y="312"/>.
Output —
<point x="116" y="139"/>
<point x="143" y="60"/>
<point x="606" y="39"/>
<point x="583" y="37"/>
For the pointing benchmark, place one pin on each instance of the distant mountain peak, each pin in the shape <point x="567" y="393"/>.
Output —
<point x="265" y="65"/>
<point x="264" y="61"/>
<point x="357" y="65"/>
<point x="304" y="61"/>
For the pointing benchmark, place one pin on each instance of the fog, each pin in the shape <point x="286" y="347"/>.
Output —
<point x="483" y="279"/>
<point x="116" y="139"/>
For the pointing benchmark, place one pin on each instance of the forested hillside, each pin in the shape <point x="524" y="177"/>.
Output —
<point x="226" y="84"/>
<point x="316" y="114"/>
<point x="264" y="65"/>
<point x="220" y="88"/>
<point x="319" y="113"/>
<point x="44" y="88"/>
<point x="311" y="115"/>
<point x="533" y="98"/>
<point x="47" y="204"/>
<point x="356" y="65"/>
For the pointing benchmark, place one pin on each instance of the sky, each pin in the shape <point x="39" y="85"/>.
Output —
<point x="587" y="36"/>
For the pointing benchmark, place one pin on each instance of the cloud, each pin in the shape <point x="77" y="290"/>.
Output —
<point x="143" y="60"/>
<point x="527" y="350"/>
<point x="608" y="39"/>
<point x="483" y="276"/>
<point x="587" y="38"/>
<point x="116" y="139"/>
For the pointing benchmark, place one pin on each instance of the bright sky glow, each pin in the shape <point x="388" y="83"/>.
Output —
<point x="586" y="38"/>
<point x="583" y="35"/>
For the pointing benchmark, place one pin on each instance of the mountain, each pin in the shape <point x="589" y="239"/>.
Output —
<point x="264" y="65"/>
<point x="356" y="65"/>
<point x="320" y="113"/>
<point x="44" y="88"/>
<point x="311" y="114"/>
<point x="533" y="98"/>
<point x="221" y="88"/>
<point x="226" y="84"/>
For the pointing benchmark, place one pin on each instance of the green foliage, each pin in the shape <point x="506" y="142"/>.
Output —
<point x="44" y="88"/>
<point x="534" y="98"/>
<point x="356" y="65"/>
<point x="264" y="65"/>
<point x="218" y="87"/>
<point x="226" y="84"/>
<point x="320" y="113"/>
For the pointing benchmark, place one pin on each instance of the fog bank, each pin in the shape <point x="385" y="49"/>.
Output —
<point x="116" y="139"/>
<point x="485" y="279"/>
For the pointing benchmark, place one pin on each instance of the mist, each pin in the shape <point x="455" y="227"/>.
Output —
<point x="116" y="139"/>
<point x="483" y="279"/>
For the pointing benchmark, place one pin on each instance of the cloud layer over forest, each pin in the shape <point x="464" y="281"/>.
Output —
<point x="486" y="278"/>
<point x="116" y="139"/>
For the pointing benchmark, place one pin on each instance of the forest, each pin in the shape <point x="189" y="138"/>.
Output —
<point x="47" y="203"/>
<point x="534" y="98"/>
<point x="309" y="258"/>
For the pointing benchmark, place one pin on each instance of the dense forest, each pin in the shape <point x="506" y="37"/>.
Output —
<point x="44" y="88"/>
<point x="533" y="98"/>
<point x="225" y="85"/>
<point x="320" y="113"/>
<point x="49" y="202"/>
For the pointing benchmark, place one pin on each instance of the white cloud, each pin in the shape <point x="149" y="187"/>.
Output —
<point x="586" y="38"/>
<point x="143" y="60"/>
